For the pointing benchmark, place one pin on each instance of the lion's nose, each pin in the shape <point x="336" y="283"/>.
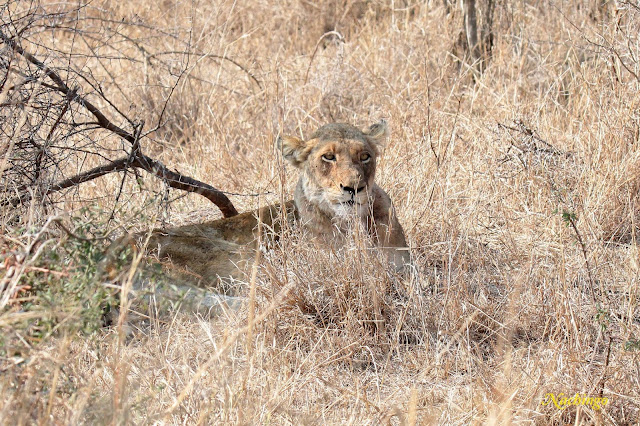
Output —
<point x="351" y="190"/>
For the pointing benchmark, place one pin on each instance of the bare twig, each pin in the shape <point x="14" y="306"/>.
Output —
<point x="136" y="158"/>
<point x="115" y="166"/>
<point x="173" y="179"/>
<point x="71" y="94"/>
<point x="212" y="56"/>
<point x="132" y="156"/>
<point x="570" y="218"/>
<point x="315" y="50"/>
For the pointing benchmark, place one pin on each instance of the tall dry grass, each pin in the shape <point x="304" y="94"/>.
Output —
<point x="517" y="188"/>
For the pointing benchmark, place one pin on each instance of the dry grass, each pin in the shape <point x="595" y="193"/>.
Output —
<point x="518" y="190"/>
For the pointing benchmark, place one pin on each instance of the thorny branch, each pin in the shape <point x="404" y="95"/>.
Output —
<point x="136" y="159"/>
<point x="148" y="164"/>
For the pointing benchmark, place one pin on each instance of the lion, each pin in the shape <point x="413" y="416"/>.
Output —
<point x="336" y="186"/>
<point x="336" y="191"/>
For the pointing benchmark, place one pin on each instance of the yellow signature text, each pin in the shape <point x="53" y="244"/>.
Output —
<point x="562" y="401"/>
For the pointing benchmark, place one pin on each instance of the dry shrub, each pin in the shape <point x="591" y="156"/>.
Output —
<point x="345" y="301"/>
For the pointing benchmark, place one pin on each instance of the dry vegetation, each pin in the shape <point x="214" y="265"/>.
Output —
<point x="517" y="188"/>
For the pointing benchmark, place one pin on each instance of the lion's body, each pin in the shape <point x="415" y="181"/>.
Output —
<point x="336" y="191"/>
<point x="204" y="252"/>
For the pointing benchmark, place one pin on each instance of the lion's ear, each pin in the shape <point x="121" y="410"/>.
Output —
<point x="378" y="132"/>
<point x="293" y="149"/>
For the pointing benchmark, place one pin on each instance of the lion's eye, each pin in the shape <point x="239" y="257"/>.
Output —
<point x="329" y="157"/>
<point x="365" y="157"/>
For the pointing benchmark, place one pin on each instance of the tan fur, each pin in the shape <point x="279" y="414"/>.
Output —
<point x="330" y="196"/>
<point x="205" y="253"/>
<point x="336" y="186"/>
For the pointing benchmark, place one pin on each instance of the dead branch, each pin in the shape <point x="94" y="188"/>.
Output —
<point x="135" y="159"/>
<point x="60" y="85"/>
<point x="471" y="28"/>
<point x="115" y="166"/>
<point x="148" y="164"/>
<point x="186" y="183"/>
<point x="479" y="43"/>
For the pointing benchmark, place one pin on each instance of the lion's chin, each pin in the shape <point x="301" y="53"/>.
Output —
<point x="349" y="208"/>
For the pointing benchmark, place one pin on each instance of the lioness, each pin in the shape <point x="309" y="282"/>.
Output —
<point x="338" y="165"/>
<point x="336" y="188"/>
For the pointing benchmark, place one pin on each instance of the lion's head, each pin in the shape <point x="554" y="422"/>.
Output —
<point x="338" y="165"/>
